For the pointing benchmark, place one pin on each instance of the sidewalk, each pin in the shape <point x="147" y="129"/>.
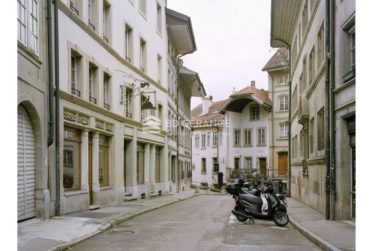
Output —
<point x="329" y="235"/>
<point x="58" y="233"/>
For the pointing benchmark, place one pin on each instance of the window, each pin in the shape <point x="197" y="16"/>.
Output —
<point x="142" y="55"/>
<point x="237" y="138"/>
<point x="294" y="51"/>
<point x="249" y="163"/>
<point x="305" y="17"/>
<point x="28" y="24"/>
<point x="312" y="128"/>
<point x="282" y="80"/>
<point x="76" y="73"/>
<point x="92" y="16"/>
<point x="128" y="43"/>
<point x="142" y="7"/>
<point x="203" y="140"/>
<point x="129" y="104"/>
<point x="284" y="103"/>
<point x="214" y="161"/>
<point x="320" y="129"/>
<point x="247" y="137"/>
<point x="303" y="76"/>
<point x="237" y="163"/>
<point x="254" y="112"/>
<point x="352" y="49"/>
<point x="208" y="139"/>
<point x="284" y="129"/>
<point x="320" y="46"/>
<point x="159" y="63"/>
<point x="160" y="114"/>
<point x="196" y="140"/>
<point x="107" y="91"/>
<point x="311" y="65"/>
<point x="203" y="166"/>
<point x="215" y="138"/>
<point x="104" y="163"/>
<point x="106" y="21"/>
<point x="220" y="138"/>
<point x="92" y="79"/>
<point x="75" y="6"/>
<point x="71" y="159"/>
<point x="159" y="18"/>
<point x="261" y="137"/>
<point x="348" y="51"/>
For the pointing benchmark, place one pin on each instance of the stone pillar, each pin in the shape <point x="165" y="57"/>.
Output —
<point x="95" y="166"/>
<point x="164" y="164"/>
<point x="152" y="164"/>
<point x="147" y="164"/>
<point x="131" y="177"/>
<point x="84" y="162"/>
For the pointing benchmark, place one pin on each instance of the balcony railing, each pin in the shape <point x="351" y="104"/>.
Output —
<point x="107" y="106"/>
<point x="73" y="9"/>
<point x="75" y="92"/>
<point x="92" y="100"/>
<point x="105" y="39"/>
<point x="129" y="115"/>
<point x="91" y="25"/>
<point x="128" y="59"/>
<point x="142" y="69"/>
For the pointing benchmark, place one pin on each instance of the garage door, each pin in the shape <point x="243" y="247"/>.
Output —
<point x="26" y="166"/>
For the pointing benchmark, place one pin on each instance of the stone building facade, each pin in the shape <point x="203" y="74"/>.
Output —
<point x="278" y="125"/>
<point x="321" y="38"/>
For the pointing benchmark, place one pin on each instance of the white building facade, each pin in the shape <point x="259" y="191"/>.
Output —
<point x="114" y="99"/>
<point x="237" y="141"/>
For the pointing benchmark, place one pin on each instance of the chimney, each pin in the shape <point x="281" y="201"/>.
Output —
<point x="252" y="83"/>
<point x="206" y="103"/>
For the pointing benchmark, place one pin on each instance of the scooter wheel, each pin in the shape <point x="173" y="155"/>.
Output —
<point x="241" y="218"/>
<point x="281" y="218"/>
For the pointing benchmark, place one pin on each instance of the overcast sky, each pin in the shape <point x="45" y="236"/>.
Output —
<point x="232" y="38"/>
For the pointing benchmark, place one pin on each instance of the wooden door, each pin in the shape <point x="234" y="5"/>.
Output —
<point x="263" y="166"/>
<point x="282" y="163"/>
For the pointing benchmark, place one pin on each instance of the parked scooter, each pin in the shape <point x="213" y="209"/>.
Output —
<point x="249" y="204"/>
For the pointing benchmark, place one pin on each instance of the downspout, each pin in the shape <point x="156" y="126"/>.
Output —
<point x="50" y="76"/>
<point x="177" y="117"/>
<point x="57" y="107"/>
<point x="329" y="136"/>
<point x="326" y="115"/>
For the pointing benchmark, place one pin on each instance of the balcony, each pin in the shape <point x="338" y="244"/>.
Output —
<point x="74" y="9"/>
<point x="107" y="106"/>
<point x="91" y="25"/>
<point x="129" y="115"/>
<point x="105" y="39"/>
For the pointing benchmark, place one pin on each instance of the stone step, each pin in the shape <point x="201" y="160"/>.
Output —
<point x="129" y="198"/>
<point x="127" y="194"/>
<point x="153" y="195"/>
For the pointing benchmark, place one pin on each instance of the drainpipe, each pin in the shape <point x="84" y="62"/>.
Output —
<point x="330" y="192"/>
<point x="50" y="76"/>
<point x="57" y="108"/>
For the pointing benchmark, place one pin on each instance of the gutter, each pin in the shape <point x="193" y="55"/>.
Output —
<point x="330" y="191"/>
<point x="50" y="76"/>
<point x="57" y="109"/>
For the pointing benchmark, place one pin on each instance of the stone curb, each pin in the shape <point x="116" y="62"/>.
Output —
<point x="113" y="223"/>
<point x="325" y="245"/>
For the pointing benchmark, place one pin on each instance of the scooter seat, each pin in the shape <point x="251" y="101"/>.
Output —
<point x="251" y="198"/>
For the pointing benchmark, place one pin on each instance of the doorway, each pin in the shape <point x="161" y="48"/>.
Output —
<point x="282" y="163"/>
<point x="263" y="166"/>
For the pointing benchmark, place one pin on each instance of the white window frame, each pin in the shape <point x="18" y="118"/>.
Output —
<point x="28" y="24"/>
<point x="284" y="102"/>
<point x="255" y="112"/>
<point x="215" y="139"/>
<point x="196" y="139"/>
<point x="142" y="55"/>
<point x="261" y="137"/>
<point x="159" y="18"/>
<point x="247" y="137"/>
<point x="284" y="129"/>
<point x="203" y="144"/>
<point x="237" y="138"/>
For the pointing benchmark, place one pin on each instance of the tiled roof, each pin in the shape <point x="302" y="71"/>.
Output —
<point x="278" y="60"/>
<point x="260" y="94"/>
<point x="213" y="113"/>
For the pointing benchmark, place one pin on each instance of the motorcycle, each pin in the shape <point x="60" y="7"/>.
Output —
<point x="249" y="204"/>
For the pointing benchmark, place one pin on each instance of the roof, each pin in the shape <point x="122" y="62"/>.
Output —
<point x="278" y="60"/>
<point x="192" y="82"/>
<point x="212" y="115"/>
<point x="180" y="31"/>
<point x="284" y="14"/>
<point x="238" y="100"/>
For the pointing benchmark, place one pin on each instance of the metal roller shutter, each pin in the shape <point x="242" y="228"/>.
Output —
<point x="26" y="166"/>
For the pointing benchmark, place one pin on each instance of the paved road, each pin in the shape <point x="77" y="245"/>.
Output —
<point x="200" y="223"/>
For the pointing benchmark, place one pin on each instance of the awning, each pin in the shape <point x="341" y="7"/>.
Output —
<point x="180" y="31"/>
<point x="189" y="80"/>
<point x="283" y="20"/>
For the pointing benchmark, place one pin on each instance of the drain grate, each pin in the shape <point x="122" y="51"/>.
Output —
<point x="122" y="231"/>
